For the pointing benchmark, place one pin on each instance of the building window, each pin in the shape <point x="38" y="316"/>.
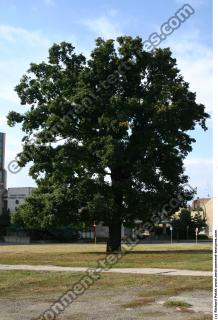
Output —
<point x="17" y="201"/>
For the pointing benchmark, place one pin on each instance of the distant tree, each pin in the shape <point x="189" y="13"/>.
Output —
<point x="48" y="207"/>
<point x="186" y="219"/>
<point x="106" y="137"/>
<point x="4" y="223"/>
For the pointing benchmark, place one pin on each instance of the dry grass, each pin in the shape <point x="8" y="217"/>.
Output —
<point x="139" y="302"/>
<point x="30" y="284"/>
<point x="62" y="248"/>
<point x="201" y="317"/>
<point x="172" y="286"/>
<point x="153" y="314"/>
<point x="187" y="256"/>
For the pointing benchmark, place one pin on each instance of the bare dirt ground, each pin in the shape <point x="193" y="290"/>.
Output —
<point x="99" y="305"/>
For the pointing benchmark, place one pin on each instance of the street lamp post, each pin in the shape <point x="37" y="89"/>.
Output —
<point x="196" y="233"/>
<point x="94" y="232"/>
<point x="171" y="234"/>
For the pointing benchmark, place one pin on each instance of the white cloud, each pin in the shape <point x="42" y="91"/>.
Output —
<point x="19" y="47"/>
<point x="195" y="62"/>
<point x="194" y="59"/>
<point x="102" y="26"/>
<point x="16" y="35"/>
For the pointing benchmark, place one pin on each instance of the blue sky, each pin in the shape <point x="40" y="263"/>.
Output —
<point x="28" y="28"/>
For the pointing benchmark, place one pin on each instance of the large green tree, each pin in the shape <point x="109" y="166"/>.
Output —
<point x="106" y="136"/>
<point x="185" y="224"/>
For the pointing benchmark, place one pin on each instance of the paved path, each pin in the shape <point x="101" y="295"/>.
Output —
<point x="167" y="272"/>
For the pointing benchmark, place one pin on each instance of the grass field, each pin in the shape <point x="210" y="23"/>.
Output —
<point x="27" y="294"/>
<point x="185" y="256"/>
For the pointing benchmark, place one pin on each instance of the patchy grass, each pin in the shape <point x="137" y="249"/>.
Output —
<point x="139" y="302"/>
<point x="177" y="303"/>
<point x="29" y="284"/>
<point x="172" y="286"/>
<point x="166" y="286"/>
<point x="201" y="317"/>
<point x="137" y="292"/>
<point x="185" y="256"/>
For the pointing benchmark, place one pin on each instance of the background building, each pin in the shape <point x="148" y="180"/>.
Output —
<point x="205" y="207"/>
<point x="12" y="198"/>
<point x="16" y="196"/>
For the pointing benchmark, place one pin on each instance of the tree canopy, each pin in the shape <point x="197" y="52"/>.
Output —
<point x="106" y="136"/>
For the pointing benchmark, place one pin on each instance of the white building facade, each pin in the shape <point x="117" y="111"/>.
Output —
<point x="16" y="196"/>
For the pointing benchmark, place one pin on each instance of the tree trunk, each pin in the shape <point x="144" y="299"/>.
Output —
<point x="114" y="241"/>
